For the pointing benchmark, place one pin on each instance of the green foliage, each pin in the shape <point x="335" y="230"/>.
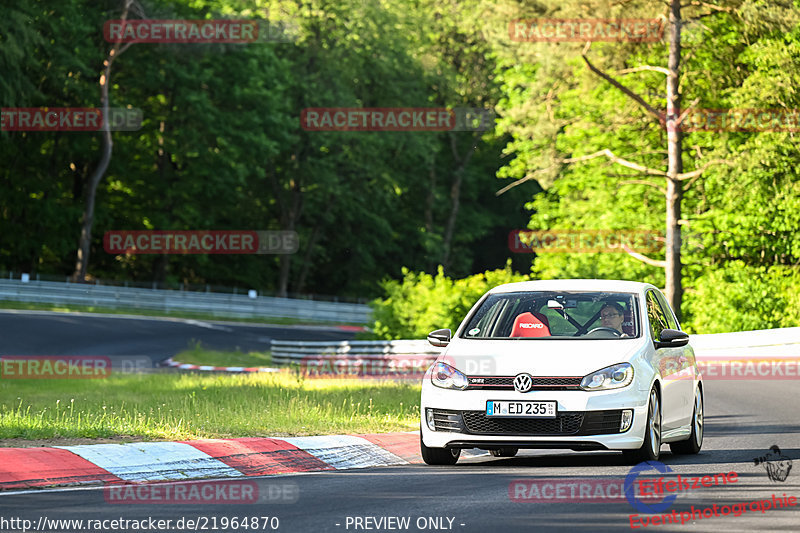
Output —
<point x="221" y="146"/>
<point x="421" y="303"/>
<point x="738" y="297"/>
<point x="741" y="212"/>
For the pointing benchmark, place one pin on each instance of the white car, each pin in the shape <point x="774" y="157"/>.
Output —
<point x="570" y="364"/>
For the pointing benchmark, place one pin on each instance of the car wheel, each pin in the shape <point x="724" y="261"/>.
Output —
<point x="505" y="452"/>
<point x="695" y="440"/>
<point x="651" y="447"/>
<point x="438" y="456"/>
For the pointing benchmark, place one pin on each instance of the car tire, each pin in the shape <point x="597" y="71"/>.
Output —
<point x="695" y="441"/>
<point x="438" y="456"/>
<point x="651" y="447"/>
<point x="504" y="452"/>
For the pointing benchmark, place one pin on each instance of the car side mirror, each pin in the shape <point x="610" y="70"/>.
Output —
<point x="440" y="337"/>
<point x="672" y="338"/>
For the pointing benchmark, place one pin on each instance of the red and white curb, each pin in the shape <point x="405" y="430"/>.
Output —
<point x="207" y="368"/>
<point x="100" y="464"/>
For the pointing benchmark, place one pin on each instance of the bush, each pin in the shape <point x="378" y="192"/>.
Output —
<point x="738" y="297"/>
<point x="421" y="303"/>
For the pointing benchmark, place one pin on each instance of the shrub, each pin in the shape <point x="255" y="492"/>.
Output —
<point x="738" y="297"/>
<point x="421" y="303"/>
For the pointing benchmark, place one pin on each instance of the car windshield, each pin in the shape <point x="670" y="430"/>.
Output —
<point x="555" y="315"/>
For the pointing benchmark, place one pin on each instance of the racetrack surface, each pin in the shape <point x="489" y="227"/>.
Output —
<point x="50" y="333"/>
<point x="744" y="418"/>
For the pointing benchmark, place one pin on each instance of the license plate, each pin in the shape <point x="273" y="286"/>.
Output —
<point x="521" y="409"/>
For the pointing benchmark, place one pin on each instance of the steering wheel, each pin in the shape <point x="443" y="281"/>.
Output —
<point x="606" y="329"/>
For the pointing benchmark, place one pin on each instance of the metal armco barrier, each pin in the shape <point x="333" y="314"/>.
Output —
<point x="285" y="352"/>
<point x="216" y="304"/>
<point x="761" y="343"/>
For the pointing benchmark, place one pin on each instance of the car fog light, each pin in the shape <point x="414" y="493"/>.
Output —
<point x="429" y="419"/>
<point x="627" y="418"/>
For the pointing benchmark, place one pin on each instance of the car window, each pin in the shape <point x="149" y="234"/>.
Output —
<point x="673" y="322"/>
<point x="527" y="315"/>
<point x="558" y="324"/>
<point x="655" y="316"/>
<point x="487" y="314"/>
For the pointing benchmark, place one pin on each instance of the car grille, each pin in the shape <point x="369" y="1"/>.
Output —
<point x="539" y="383"/>
<point x="565" y="423"/>
<point x="601" y="422"/>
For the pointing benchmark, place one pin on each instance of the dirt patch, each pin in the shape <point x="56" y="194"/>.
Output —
<point x="68" y="441"/>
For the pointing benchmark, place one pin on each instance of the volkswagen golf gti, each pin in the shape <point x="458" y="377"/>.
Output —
<point x="563" y="364"/>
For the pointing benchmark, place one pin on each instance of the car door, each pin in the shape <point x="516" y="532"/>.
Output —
<point x="685" y="361"/>
<point x="674" y="386"/>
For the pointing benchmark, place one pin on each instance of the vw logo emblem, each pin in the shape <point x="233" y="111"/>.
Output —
<point x="523" y="382"/>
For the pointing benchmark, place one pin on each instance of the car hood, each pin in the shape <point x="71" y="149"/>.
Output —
<point x="538" y="357"/>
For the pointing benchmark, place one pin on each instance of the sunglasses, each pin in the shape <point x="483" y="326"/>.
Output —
<point x="609" y="315"/>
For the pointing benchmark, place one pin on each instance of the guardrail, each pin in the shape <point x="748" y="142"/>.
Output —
<point x="215" y="304"/>
<point x="761" y="343"/>
<point x="285" y="352"/>
<point x="783" y="342"/>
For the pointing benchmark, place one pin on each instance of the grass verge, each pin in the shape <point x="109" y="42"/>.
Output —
<point x="197" y="355"/>
<point x="173" y="406"/>
<point x="6" y="304"/>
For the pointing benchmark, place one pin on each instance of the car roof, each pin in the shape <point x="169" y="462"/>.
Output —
<point x="602" y="285"/>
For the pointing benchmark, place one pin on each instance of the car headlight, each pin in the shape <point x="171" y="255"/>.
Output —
<point x="612" y="377"/>
<point x="447" y="377"/>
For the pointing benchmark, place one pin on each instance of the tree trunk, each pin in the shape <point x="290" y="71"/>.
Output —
<point x="312" y="241"/>
<point x="430" y="205"/>
<point x="290" y="208"/>
<point x="285" y="265"/>
<point x="455" y="199"/>
<point x="85" y="241"/>
<point x="674" y="288"/>
<point x="82" y="260"/>
<point x="455" y="195"/>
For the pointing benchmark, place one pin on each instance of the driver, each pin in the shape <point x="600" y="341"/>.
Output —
<point x="611" y="316"/>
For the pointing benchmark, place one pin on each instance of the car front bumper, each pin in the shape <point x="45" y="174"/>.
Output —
<point x="585" y="419"/>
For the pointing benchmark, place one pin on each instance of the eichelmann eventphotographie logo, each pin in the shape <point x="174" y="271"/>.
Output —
<point x="777" y="465"/>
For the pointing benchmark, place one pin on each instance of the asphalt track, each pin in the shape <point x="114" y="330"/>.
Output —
<point x="743" y="420"/>
<point x="118" y="336"/>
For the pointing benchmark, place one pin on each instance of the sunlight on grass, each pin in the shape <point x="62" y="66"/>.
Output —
<point x="183" y="406"/>
<point x="197" y="355"/>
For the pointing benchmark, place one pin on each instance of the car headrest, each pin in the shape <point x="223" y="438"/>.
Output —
<point x="531" y="325"/>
